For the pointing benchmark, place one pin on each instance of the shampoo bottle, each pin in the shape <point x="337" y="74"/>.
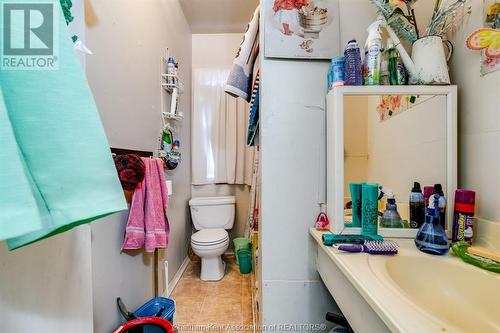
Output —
<point x="431" y="237"/>
<point x="374" y="56"/>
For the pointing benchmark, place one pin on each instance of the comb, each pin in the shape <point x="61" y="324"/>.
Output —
<point x="387" y="247"/>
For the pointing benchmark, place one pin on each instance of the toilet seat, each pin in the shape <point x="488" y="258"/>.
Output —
<point x="209" y="237"/>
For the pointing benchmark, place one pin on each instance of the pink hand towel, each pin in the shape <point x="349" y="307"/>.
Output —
<point x="147" y="224"/>
<point x="134" y="232"/>
<point x="155" y="213"/>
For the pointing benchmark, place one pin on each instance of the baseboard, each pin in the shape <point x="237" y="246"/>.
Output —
<point x="178" y="276"/>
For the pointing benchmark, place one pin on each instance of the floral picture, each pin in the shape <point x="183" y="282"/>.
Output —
<point x="393" y="105"/>
<point x="301" y="28"/>
<point x="491" y="21"/>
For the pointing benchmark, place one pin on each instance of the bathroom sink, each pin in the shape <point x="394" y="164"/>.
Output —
<point x="411" y="292"/>
<point x="461" y="295"/>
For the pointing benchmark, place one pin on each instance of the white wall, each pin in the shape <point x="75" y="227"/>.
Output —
<point x="46" y="287"/>
<point x="293" y="157"/>
<point x="217" y="51"/>
<point x="128" y="38"/>
<point x="479" y="126"/>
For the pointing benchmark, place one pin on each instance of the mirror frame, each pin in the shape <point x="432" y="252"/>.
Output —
<point x="335" y="151"/>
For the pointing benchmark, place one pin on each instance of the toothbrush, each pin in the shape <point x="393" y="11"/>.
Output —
<point x="387" y="247"/>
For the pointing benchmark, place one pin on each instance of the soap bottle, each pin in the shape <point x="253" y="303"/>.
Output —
<point x="417" y="206"/>
<point x="431" y="237"/>
<point x="391" y="217"/>
<point x="392" y="55"/>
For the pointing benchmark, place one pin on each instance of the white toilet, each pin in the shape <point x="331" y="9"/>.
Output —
<point x="211" y="216"/>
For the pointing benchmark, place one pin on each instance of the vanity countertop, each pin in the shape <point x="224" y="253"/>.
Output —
<point x="416" y="292"/>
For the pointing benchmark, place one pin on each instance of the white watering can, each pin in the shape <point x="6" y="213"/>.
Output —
<point x="428" y="63"/>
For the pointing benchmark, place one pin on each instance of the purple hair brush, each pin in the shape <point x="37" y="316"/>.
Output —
<point x="387" y="247"/>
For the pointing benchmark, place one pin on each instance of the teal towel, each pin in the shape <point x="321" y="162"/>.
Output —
<point x="57" y="170"/>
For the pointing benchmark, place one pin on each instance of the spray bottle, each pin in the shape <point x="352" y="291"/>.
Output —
<point x="374" y="56"/>
<point x="391" y="217"/>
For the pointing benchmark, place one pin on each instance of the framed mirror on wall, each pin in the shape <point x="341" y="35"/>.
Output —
<point x="389" y="137"/>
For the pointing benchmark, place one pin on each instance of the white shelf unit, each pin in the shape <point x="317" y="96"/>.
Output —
<point x="169" y="90"/>
<point x="169" y="87"/>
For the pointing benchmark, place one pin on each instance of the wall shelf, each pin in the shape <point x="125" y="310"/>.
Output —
<point x="168" y="115"/>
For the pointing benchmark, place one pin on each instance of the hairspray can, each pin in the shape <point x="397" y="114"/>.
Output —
<point x="463" y="221"/>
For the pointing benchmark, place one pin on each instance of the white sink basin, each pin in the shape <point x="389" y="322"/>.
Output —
<point x="464" y="296"/>
<point x="411" y="292"/>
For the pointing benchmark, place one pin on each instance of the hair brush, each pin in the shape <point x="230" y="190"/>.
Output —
<point x="372" y="247"/>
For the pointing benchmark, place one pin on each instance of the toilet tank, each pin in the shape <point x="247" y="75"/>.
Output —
<point x="212" y="212"/>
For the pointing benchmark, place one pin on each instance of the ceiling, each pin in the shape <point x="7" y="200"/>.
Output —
<point x="218" y="16"/>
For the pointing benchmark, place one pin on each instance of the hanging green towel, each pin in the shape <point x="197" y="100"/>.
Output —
<point x="57" y="171"/>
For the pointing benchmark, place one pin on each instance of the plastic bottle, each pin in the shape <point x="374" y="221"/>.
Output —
<point x="384" y="70"/>
<point x="463" y="222"/>
<point x="438" y="189"/>
<point x="391" y="217"/>
<point x="369" y="211"/>
<point x="431" y="237"/>
<point x="353" y="73"/>
<point x="171" y="71"/>
<point x="338" y="71"/>
<point x="417" y="206"/>
<point x="167" y="140"/>
<point x="428" y="190"/>
<point x="392" y="54"/>
<point x="374" y="48"/>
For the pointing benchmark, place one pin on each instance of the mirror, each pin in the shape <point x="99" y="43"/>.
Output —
<point x="393" y="141"/>
<point x="390" y="137"/>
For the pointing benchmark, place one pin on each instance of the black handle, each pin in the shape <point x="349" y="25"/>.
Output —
<point x="123" y="310"/>
<point x="338" y="319"/>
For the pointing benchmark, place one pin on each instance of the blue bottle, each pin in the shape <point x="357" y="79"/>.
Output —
<point x="431" y="237"/>
<point x="353" y="70"/>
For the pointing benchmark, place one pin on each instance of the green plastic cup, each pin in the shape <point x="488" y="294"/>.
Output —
<point x="245" y="260"/>
<point x="240" y="243"/>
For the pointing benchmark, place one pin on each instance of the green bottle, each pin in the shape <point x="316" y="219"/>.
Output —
<point x="167" y="140"/>
<point x="393" y="62"/>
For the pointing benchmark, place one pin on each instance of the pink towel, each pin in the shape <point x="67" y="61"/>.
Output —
<point x="147" y="222"/>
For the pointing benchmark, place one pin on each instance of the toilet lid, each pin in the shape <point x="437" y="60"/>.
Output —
<point x="209" y="236"/>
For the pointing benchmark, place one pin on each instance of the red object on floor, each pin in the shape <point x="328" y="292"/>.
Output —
<point x="160" y="322"/>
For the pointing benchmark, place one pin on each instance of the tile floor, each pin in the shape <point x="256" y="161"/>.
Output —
<point x="221" y="306"/>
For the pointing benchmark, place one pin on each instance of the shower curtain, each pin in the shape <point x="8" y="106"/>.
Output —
<point x="219" y="129"/>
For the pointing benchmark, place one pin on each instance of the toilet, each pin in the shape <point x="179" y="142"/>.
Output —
<point x="211" y="216"/>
